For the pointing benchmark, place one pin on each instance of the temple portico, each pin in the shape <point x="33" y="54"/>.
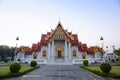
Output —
<point x="59" y="50"/>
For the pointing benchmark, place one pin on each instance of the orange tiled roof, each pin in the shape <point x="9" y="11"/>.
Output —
<point x="17" y="50"/>
<point x="82" y="47"/>
<point x="74" y="42"/>
<point x="94" y="49"/>
<point x="48" y="33"/>
<point x="43" y="42"/>
<point x="26" y="50"/>
<point x="43" y="37"/>
<point x="69" y="33"/>
<point x="90" y="51"/>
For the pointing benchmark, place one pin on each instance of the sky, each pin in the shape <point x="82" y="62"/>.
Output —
<point x="89" y="19"/>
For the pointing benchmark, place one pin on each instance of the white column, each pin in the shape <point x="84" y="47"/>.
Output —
<point x="65" y="50"/>
<point x="48" y="51"/>
<point x="41" y="53"/>
<point x="69" y="51"/>
<point x="52" y="52"/>
<point x="77" y="53"/>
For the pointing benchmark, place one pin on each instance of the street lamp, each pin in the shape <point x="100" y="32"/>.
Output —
<point x="106" y="49"/>
<point x="101" y="38"/>
<point x="17" y="39"/>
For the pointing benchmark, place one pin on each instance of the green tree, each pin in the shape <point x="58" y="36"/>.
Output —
<point x="6" y="51"/>
<point x="117" y="51"/>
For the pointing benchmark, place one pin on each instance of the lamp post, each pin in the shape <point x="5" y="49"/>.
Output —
<point x="101" y="38"/>
<point x="17" y="39"/>
<point x="102" y="57"/>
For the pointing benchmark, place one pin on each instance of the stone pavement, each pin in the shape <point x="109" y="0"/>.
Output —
<point x="60" y="72"/>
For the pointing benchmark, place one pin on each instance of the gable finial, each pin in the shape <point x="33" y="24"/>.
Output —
<point x="59" y="19"/>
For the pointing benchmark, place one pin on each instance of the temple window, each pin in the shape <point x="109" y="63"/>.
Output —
<point x="44" y="53"/>
<point x="35" y="56"/>
<point x="74" y="53"/>
<point x="84" y="56"/>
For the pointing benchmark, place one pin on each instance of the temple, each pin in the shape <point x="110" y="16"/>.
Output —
<point x="59" y="46"/>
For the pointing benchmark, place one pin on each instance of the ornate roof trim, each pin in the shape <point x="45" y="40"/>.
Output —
<point x="53" y="31"/>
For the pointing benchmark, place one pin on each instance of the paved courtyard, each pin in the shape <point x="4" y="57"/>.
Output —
<point x="60" y="72"/>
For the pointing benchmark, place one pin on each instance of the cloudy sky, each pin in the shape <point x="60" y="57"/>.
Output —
<point x="90" y="19"/>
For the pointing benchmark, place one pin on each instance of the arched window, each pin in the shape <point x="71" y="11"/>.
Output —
<point x="35" y="56"/>
<point x="74" y="53"/>
<point x="44" y="53"/>
<point x="84" y="56"/>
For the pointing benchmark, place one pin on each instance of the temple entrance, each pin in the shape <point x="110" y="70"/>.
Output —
<point x="59" y="54"/>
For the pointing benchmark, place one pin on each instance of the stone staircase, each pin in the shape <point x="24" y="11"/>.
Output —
<point x="59" y="62"/>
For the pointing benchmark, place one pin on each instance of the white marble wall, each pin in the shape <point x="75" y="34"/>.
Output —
<point x="97" y="55"/>
<point x="20" y="55"/>
<point x="75" y="48"/>
<point x="41" y="52"/>
<point x="89" y="56"/>
<point x="51" y="52"/>
<point x="28" y="57"/>
<point x="79" y="55"/>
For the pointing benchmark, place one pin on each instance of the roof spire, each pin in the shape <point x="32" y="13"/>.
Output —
<point x="59" y="23"/>
<point x="59" y="19"/>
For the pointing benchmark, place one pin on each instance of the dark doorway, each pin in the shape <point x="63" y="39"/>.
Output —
<point x="59" y="54"/>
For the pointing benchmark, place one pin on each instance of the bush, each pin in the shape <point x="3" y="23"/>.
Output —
<point x="105" y="67"/>
<point x="15" y="67"/>
<point x="1" y="60"/>
<point x="33" y="63"/>
<point x="5" y="60"/>
<point x="117" y="59"/>
<point x="101" y="73"/>
<point x="22" y="72"/>
<point x="85" y="62"/>
<point x="19" y="59"/>
<point x="112" y="60"/>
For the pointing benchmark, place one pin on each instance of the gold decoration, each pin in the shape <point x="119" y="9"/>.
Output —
<point x="74" y="53"/>
<point x="35" y="56"/>
<point x="84" y="56"/>
<point x="44" y="53"/>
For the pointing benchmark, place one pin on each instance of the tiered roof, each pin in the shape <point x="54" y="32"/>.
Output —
<point x="24" y="49"/>
<point x="94" y="49"/>
<point x="74" y="42"/>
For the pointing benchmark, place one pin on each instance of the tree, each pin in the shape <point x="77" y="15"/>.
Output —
<point x="6" y="51"/>
<point x="117" y="51"/>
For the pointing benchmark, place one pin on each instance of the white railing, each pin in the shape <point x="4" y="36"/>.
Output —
<point x="45" y="61"/>
<point x="77" y="61"/>
<point x="39" y="61"/>
<point x="80" y="61"/>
